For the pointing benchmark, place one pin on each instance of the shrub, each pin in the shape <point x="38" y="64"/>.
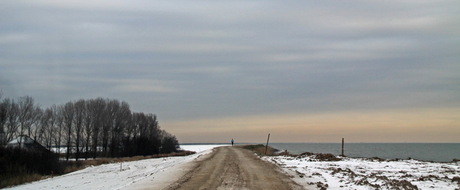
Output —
<point x="169" y="144"/>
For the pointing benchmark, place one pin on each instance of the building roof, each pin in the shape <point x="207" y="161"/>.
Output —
<point x="25" y="142"/>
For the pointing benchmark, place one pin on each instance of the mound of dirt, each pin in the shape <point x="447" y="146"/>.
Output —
<point x="327" y="157"/>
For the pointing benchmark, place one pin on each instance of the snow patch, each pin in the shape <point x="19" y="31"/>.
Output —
<point x="361" y="173"/>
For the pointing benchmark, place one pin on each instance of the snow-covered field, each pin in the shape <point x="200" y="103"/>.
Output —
<point x="141" y="174"/>
<point x="361" y="173"/>
<point x="347" y="173"/>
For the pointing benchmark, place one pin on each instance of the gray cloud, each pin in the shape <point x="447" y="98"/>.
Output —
<point x="217" y="58"/>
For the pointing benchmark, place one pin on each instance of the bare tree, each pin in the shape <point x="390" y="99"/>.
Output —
<point x="59" y="118"/>
<point x="88" y="123"/>
<point x="97" y="109"/>
<point x="68" y="116"/>
<point x="154" y="132"/>
<point x="135" y="127"/>
<point x="26" y="109"/>
<point x="92" y="126"/>
<point x="12" y="119"/>
<point x="37" y="129"/>
<point x="122" y="119"/>
<point x="48" y="123"/>
<point x="3" y="116"/>
<point x="79" y="110"/>
<point x="108" y="117"/>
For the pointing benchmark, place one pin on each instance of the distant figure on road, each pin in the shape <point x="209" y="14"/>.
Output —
<point x="232" y="142"/>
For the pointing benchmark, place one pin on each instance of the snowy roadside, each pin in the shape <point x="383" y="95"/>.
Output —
<point x="361" y="173"/>
<point x="127" y="175"/>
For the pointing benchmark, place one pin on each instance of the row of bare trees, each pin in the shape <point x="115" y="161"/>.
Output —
<point x="85" y="128"/>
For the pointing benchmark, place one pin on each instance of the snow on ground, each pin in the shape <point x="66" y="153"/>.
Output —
<point x="199" y="148"/>
<point x="158" y="172"/>
<point x="362" y="173"/>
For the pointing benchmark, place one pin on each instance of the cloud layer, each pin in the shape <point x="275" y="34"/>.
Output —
<point x="212" y="59"/>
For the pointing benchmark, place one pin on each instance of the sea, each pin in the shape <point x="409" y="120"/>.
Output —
<point x="437" y="152"/>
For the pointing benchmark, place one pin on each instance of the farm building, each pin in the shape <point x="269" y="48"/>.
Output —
<point x="27" y="143"/>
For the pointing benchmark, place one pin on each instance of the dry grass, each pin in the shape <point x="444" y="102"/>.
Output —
<point x="260" y="149"/>
<point x="7" y="180"/>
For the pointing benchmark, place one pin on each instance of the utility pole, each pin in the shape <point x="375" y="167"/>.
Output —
<point x="266" y="146"/>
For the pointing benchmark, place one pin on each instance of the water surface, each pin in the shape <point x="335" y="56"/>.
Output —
<point x="440" y="152"/>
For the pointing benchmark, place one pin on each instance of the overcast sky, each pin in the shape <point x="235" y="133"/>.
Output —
<point x="305" y="71"/>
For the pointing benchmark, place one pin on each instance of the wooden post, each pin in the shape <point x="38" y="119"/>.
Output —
<point x="266" y="146"/>
<point x="343" y="142"/>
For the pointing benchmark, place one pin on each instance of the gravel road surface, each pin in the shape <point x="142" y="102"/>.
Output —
<point x="233" y="168"/>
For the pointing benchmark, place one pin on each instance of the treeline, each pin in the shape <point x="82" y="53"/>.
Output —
<point x="87" y="128"/>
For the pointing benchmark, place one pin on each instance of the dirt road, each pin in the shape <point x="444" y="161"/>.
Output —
<point x="234" y="168"/>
